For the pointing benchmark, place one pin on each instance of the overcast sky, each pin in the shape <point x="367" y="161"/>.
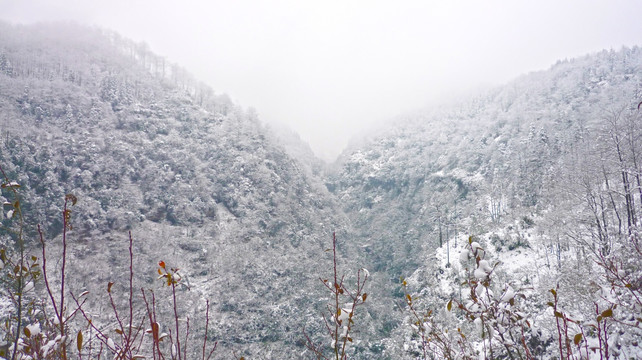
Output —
<point x="331" y="68"/>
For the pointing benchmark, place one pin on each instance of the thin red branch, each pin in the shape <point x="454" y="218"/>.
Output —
<point x="178" y="340"/>
<point x="131" y="291"/>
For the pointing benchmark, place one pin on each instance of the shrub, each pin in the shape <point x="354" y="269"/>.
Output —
<point x="60" y="325"/>
<point x="339" y="318"/>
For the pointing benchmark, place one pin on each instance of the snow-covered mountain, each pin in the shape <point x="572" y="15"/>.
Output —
<point x="544" y="171"/>
<point x="199" y="181"/>
<point x="543" y="174"/>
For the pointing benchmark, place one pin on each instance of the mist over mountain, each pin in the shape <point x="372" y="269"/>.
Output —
<point x="543" y="172"/>
<point x="199" y="181"/>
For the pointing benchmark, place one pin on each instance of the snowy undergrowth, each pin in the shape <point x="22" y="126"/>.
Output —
<point x="560" y="298"/>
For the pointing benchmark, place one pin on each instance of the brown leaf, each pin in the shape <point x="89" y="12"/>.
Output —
<point x="71" y="197"/>
<point x="155" y="329"/>
<point x="607" y="313"/>
<point x="577" y="338"/>
<point x="79" y="340"/>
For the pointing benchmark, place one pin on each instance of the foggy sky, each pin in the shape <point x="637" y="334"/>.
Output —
<point x="329" y="69"/>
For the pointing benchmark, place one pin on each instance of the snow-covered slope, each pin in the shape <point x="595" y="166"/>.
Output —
<point x="542" y="173"/>
<point x="199" y="181"/>
<point x="534" y="169"/>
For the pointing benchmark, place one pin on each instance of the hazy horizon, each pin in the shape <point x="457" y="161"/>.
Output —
<point x="330" y="70"/>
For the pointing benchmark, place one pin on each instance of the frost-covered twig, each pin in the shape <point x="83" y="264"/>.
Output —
<point x="339" y="320"/>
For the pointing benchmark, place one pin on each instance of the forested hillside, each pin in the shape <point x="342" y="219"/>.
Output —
<point x="199" y="181"/>
<point x="543" y="173"/>
<point x="482" y="207"/>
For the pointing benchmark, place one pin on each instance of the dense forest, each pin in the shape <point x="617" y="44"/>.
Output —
<point x="543" y="174"/>
<point x="505" y="226"/>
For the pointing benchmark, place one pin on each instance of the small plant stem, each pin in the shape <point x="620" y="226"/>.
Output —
<point x="336" y="297"/>
<point x="113" y="306"/>
<point x="178" y="340"/>
<point x="559" y="331"/>
<point x="599" y="333"/>
<point x="186" y="339"/>
<point x="151" y="324"/>
<point x="44" y="271"/>
<point x="160" y="354"/>
<point x="131" y="292"/>
<point x="91" y="323"/>
<point x="61" y="310"/>
<point x="207" y="323"/>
